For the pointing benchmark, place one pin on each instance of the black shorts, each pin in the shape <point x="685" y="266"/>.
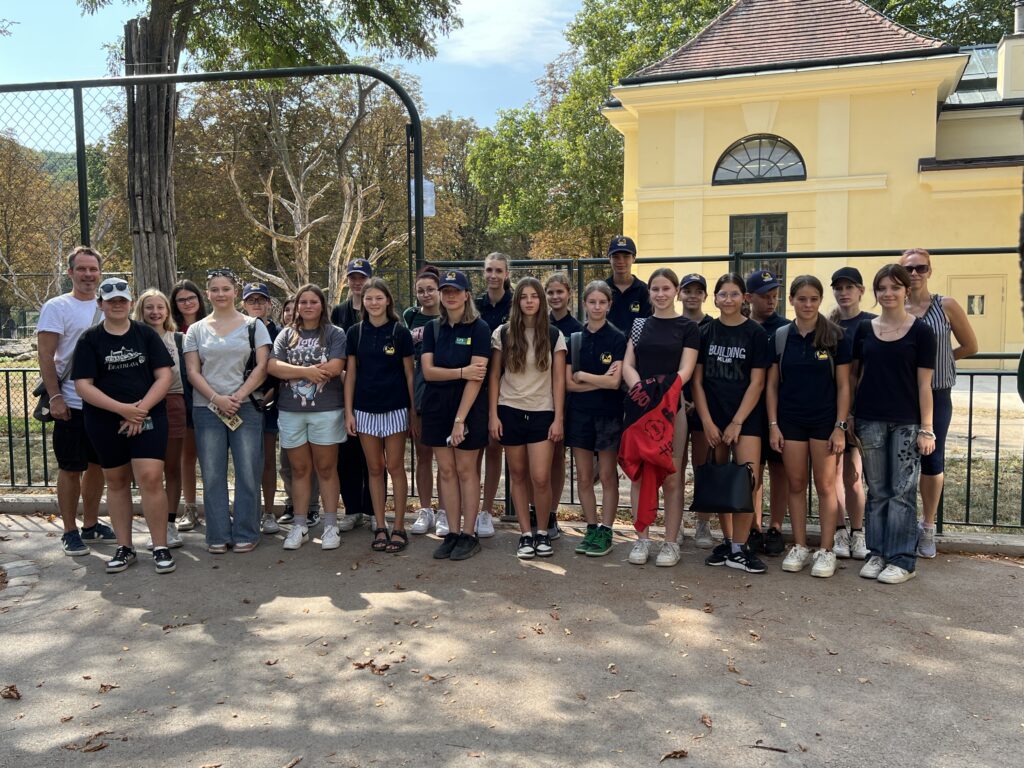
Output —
<point x="524" y="427"/>
<point x="942" y="413"/>
<point x="270" y="421"/>
<point x="116" y="450"/>
<point x="71" y="444"/>
<point x="768" y="454"/>
<point x="592" y="433"/>
<point x="801" y="433"/>
<point x="440" y="405"/>
<point x="750" y="428"/>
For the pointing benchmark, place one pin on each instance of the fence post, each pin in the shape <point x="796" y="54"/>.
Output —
<point x="83" y="175"/>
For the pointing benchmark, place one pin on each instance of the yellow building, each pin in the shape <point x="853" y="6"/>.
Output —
<point x="822" y="125"/>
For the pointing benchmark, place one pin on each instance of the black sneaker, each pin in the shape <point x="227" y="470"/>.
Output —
<point x="525" y="550"/>
<point x="162" y="560"/>
<point x="745" y="560"/>
<point x="542" y="545"/>
<point x="755" y="540"/>
<point x="71" y="543"/>
<point x="100" y="532"/>
<point x="444" y="550"/>
<point x="719" y="554"/>
<point x="773" y="542"/>
<point x="123" y="557"/>
<point x="289" y="514"/>
<point x="466" y="546"/>
<point x="313" y="517"/>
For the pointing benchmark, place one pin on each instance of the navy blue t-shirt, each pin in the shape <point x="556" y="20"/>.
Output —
<point x="850" y="327"/>
<point x="629" y="304"/>
<point x="456" y="347"/>
<point x="380" y="365"/>
<point x="888" y="386"/>
<point x="568" y="325"/>
<point x="807" y="388"/>
<point x="598" y="350"/>
<point x="494" y="314"/>
<point x="773" y="323"/>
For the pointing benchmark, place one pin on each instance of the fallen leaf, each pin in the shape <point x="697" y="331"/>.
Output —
<point x="676" y="754"/>
<point x="613" y="669"/>
<point x="474" y="754"/>
<point x="270" y="662"/>
<point x="863" y="680"/>
<point x="581" y="696"/>
<point x="754" y="635"/>
<point x="399" y="587"/>
<point x="708" y="608"/>
<point x="567" y="631"/>
<point x="731" y="666"/>
<point x="211" y="765"/>
<point x="742" y="681"/>
<point x="354" y="566"/>
<point x="10" y="692"/>
<point x="801" y="747"/>
<point x="706" y="720"/>
<point x="295" y="761"/>
<point x="555" y="615"/>
<point x="831" y="652"/>
<point x="538" y="629"/>
<point x="66" y="718"/>
<point x="107" y="687"/>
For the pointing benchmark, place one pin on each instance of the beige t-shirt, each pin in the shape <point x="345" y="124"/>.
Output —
<point x="529" y="390"/>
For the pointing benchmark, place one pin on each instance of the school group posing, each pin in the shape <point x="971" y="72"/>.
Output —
<point x="853" y="396"/>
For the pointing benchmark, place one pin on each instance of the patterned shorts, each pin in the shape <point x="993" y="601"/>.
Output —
<point x="382" y="424"/>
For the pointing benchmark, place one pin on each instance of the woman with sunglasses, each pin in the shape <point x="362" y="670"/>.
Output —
<point x="217" y="355"/>
<point x="187" y="307"/>
<point x="945" y="316"/>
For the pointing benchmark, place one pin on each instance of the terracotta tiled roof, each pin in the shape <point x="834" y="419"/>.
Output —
<point x="754" y="33"/>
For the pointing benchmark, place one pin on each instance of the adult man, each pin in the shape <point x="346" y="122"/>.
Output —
<point x="62" y="321"/>
<point x="630" y="298"/>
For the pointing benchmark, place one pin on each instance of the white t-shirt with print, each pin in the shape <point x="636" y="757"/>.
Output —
<point x="69" y="318"/>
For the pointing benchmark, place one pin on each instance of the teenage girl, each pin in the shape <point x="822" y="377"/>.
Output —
<point x="187" y="306"/>
<point x="896" y="355"/>
<point x="727" y="388"/>
<point x="808" y="399"/>
<point x="527" y="394"/>
<point x="454" y="360"/>
<point x="663" y="344"/>
<point x="378" y="406"/>
<point x="593" y="421"/>
<point x="944" y="315"/>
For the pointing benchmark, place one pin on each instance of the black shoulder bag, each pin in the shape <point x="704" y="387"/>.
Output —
<point x="726" y="487"/>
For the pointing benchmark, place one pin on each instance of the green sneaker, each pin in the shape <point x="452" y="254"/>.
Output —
<point x="602" y="543"/>
<point x="587" y="543"/>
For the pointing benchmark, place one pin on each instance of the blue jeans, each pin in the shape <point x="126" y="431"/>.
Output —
<point x="892" y="468"/>
<point x="213" y="441"/>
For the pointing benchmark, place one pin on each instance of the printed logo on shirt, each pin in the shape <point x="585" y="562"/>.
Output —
<point x="725" y="362"/>
<point x="463" y="341"/>
<point x="821" y="354"/>
<point x="306" y="352"/>
<point x="606" y="358"/>
<point x="635" y="307"/>
<point x="389" y="349"/>
<point x="124" y="358"/>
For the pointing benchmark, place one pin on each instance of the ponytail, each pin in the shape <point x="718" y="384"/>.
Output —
<point x="827" y="335"/>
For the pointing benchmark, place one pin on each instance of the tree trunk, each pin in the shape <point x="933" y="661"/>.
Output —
<point x="151" y="112"/>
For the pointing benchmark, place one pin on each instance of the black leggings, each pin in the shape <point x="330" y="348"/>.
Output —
<point x="354" y="478"/>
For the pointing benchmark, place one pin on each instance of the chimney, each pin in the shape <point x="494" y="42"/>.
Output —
<point x="1010" y="58"/>
<point x="1018" y="16"/>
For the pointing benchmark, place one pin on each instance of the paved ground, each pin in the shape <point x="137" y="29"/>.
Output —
<point x="351" y="658"/>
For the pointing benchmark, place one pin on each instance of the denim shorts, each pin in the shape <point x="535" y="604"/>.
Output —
<point x="316" y="427"/>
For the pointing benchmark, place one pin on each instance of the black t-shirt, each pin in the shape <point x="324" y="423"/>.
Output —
<point x="807" y="389"/>
<point x="773" y="323"/>
<point x="888" y="386"/>
<point x="598" y="351"/>
<point x="380" y="365"/>
<point x="629" y="304"/>
<point x="456" y="347"/>
<point x="728" y="354"/>
<point x="121" y="367"/>
<point x="414" y="318"/>
<point x="850" y="327"/>
<point x="494" y="314"/>
<point x="568" y="325"/>
<point x="344" y="315"/>
<point x="658" y="345"/>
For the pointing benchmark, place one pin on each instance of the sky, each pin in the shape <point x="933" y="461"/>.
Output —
<point x="488" y="65"/>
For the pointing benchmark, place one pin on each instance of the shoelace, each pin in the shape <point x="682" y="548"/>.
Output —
<point x="122" y="554"/>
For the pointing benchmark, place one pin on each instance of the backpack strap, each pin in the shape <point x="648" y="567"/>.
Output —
<point x="435" y="329"/>
<point x="781" y="334"/>
<point x="575" y="346"/>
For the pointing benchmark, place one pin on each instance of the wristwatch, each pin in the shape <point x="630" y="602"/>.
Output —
<point x="841" y="425"/>
<point x="458" y="419"/>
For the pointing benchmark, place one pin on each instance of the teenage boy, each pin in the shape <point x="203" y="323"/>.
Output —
<point x="630" y="298"/>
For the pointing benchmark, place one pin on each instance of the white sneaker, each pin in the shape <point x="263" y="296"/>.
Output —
<point x="441" y="523"/>
<point x="824" y="564"/>
<point x="349" y="522"/>
<point x="188" y="518"/>
<point x="269" y="525"/>
<point x="484" y="525"/>
<point x="174" y="539"/>
<point x="330" y="539"/>
<point x="640" y="552"/>
<point x="858" y="546"/>
<point x="296" y="536"/>
<point x="842" y="544"/>
<point x="668" y="555"/>
<point x="798" y="558"/>
<point x="424" y="519"/>
<point x="874" y="566"/>
<point x="703" y="539"/>
<point x="893" y="574"/>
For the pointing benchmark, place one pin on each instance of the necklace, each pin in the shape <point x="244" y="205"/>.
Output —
<point x="883" y="330"/>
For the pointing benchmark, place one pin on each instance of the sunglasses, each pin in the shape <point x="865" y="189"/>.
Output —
<point x="921" y="269"/>
<point x="111" y="287"/>
<point x="222" y="272"/>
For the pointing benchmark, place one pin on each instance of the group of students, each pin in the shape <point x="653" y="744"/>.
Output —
<point x="513" y="372"/>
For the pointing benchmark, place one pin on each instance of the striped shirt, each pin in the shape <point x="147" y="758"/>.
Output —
<point x="945" y="366"/>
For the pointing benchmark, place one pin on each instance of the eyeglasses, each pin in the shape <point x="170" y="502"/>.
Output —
<point x="256" y="297"/>
<point x="222" y="272"/>
<point x="111" y="287"/>
<point x="921" y="269"/>
<point x="186" y="299"/>
<point x="726" y="296"/>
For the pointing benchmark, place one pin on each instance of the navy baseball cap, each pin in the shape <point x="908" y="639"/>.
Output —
<point x="255" y="289"/>
<point x="847" y="273"/>
<point x="360" y="267"/>
<point x="692" y="278"/>
<point x="454" y="279"/>
<point x="622" y="244"/>
<point x="761" y="281"/>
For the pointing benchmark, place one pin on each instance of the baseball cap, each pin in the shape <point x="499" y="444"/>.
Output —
<point x="454" y="279"/>
<point x="255" y="289"/>
<point x="113" y="288"/>
<point x="621" y="244"/>
<point x="761" y="281"/>
<point x="692" y="278"/>
<point x="847" y="273"/>
<point x="360" y="267"/>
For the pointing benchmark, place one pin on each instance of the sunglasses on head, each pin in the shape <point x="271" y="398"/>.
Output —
<point x="921" y="269"/>
<point x="111" y="287"/>
<point x="222" y="272"/>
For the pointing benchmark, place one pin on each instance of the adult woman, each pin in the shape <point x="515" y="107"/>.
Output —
<point x="660" y="345"/>
<point x="308" y="358"/>
<point x="848" y="290"/>
<point x="456" y="348"/>
<point x="122" y="371"/>
<point x="526" y="396"/>
<point x="944" y="315"/>
<point x="593" y="421"/>
<point x="187" y="307"/>
<point x="154" y="309"/>
<point x="416" y="319"/>
<point x="217" y="351"/>
<point x="378" y="400"/>
<point x="808" y="399"/>
<point x="896" y="356"/>
<point x="727" y="387"/>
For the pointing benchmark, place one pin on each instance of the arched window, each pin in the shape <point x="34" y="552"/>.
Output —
<point x="759" y="158"/>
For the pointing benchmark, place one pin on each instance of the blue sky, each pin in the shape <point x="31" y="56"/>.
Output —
<point x="489" y="64"/>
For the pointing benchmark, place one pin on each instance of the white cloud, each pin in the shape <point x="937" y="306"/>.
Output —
<point x="508" y="32"/>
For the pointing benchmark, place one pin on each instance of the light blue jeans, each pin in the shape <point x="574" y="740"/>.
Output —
<point x="892" y="469"/>
<point x="213" y="441"/>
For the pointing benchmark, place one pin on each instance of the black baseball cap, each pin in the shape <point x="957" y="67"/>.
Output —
<point x="847" y="273"/>
<point x="692" y="278"/>
<point x="622" y="244"/>
<point x="761" y="281"/>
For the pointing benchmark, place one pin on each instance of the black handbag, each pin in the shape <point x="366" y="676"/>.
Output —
<point x="42" y="410"/>
<point x="726" y="487"/>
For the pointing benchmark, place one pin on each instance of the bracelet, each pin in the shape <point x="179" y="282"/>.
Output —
<point x="460" y="373"/>
<point x="772" y="424"/>
<point x="61" y="396"/>
<point x="927" y="433"/>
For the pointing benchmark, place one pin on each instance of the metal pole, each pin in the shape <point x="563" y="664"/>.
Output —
<point x="83" y="174"/>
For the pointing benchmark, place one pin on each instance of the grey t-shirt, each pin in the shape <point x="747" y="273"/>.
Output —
<point x="222" y="358"/>
<point x="301" y="394"/>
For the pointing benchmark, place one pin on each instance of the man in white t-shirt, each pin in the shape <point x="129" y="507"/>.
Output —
<point x="62" y="320"/>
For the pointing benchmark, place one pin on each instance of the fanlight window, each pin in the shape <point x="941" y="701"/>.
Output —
<point x="759" y="159"/>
